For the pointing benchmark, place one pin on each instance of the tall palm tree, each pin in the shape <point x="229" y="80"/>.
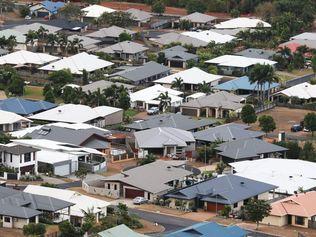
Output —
<point x="31" y="37"/>
<point x="177" y="83"/>
<point x="42" y="36"/>
<point x="76" y="45"/>
<point x="52" y="40"/>
<point x="204" y="88"/>
<point x="165" y="101"/>
<point x="63" y="42"/>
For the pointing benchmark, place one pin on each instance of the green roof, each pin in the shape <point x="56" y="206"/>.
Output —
<point x="120" y="231"/>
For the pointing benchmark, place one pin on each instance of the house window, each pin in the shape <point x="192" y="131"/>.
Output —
<point x="11" y="158"/>
<point x="7" y="219"/>
<point x="299" y="220"/>
<point x="115" y="186"/>
<point x="33" y="155"/>
<point x="109" y="186"/>
<point x="236" y="205"/>
<point x="27" y="157"/>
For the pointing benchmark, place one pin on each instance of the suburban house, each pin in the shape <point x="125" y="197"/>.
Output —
<point x="19" y="37"/>
<point x="95" y="11"/>
<point x="77" y="63"/>
<point x="243" y="86"/>
<point x="249" y="149"/>
<point x="209" y="229"/>
<point x="110" y="34"/>
<point x="141" y="75"/>
<point x="218" y="105"/>
<point x="305" y="92"/>
<point x="164" y="141"/>
<point x="140" y="181"/>
<point x="242" y="22"/>
<point x="213" y="194"/>
<point x="76" y="113"/>
<point x="10" y="122"/>
<point x="297" y="210"/>
<point x="198" y="19"/>
<point x="148" y="97"/>
<point x="103" y="84"/>
<point x="288" y="175"/>
<point x="139" y="17"/>
<point x="257" y="53"/>
<point x="191" y="79"/>
<point x="118" y="231"/>
<point x="177" y="120"/>
<point x="307" y="39"/>
<point x="63" y="159"/>
<point x="46" y="8"/>
<point x="237" y="65"/>
<point x="88" y="44"/>
<point x="178" y="56"/>
<point x="25" y="107"/>
<point x="20" y="208"/>
<point x="194" y="96"/>
<point x="126" y="50"/>
<point x="81" y="203"/>
<point x="24" y="29"/>
<point x="226" y="132"/>
<point x="67" y="25"/>
<point x="21" y="158"/>
<point x="209" y="36"/>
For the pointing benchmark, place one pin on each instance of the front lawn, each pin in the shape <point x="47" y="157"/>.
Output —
<point x="33" y="92"/>
<point x="130" y="112"/>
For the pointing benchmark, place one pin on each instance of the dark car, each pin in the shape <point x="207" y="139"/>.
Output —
<point x="296" y="128"/>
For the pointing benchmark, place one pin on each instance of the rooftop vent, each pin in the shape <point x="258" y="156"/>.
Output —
<point x="242" y="183"/>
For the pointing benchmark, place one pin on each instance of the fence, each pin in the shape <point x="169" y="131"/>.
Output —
<point x="265" y="107"/>
<point x="311" y="106"/>
<point x="299" y="80"/>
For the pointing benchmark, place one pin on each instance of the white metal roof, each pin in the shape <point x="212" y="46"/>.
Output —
<point x="75" y="113"/>
<point x="242" y="22"/>
<point x="303" y="91"/>
<point x="77" y="63"/>
<point x="24" y="29"/>
<point x="238" y="61"/>
<point x="26" y="57"/>
<point x="198" y="17"/>
<point x="196" y="95"/>
<point x="9" y="118"/>
<point x="82" y="202"/>
<point x="305" y="36"/>
<point x="95" y="11"/>
<point x="193" y="75"/>
<point x="209" y="36"/>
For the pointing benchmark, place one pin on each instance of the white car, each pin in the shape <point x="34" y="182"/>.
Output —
<point x="153" y="110"/>
<point x="27" y="17"/>
<point x="139" y="200"/>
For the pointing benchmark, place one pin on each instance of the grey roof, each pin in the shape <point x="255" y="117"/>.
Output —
<point x="147" y="70"/>
<point x="225" y="189"/>
<point x="178" y="53"/>
<point x="257" y="53"/>
<point x="112" y="32"/>
<point x="119" y="231"/>
<point x="232" y="32"/>
<point x="142" y="176"/>
<point x="221" y="99"/>
<point x="88" y="137"/>
<point x="127" y="47"/>
<point x="163" y="136"/>
<point x="66" y="24"/>
<point x="102" y="84"/>
<point x="171" y="37"/>
<point x="20" y="37"/>
<point x="139" y="15"/>
<point x="247" y="148"/>
<point x="87" y="42"/>
<point x="24" y="29"/>
<point x="226" y="132"/>
<point x="17" y="149"/>
<point x="305" y="36"/>
<point x="198" y="17"/>
<point x="171" y="120"/>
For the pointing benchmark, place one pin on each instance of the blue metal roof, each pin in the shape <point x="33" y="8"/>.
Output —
<point x="243" y="83"/>
<point x="25" y="107"/>
<point x="52" y="7"/>
<point x="209" y="229"/>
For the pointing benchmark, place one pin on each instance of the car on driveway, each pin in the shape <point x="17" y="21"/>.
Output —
<point x="153" y="110"/>
<point x="296" y="128"/>
<point x="139" y="200"/>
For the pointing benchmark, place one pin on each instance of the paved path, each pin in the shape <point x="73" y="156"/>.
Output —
<point x="70" y="184"/>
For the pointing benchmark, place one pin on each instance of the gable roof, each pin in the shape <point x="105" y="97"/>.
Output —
<point x="139" y="15"/>
<point x="257" y="53"/>
<point x="171" y="120"/>
<point x="178" y="53"/>
<point x="243" y="83"/>
<point x="127" y="47"/>
<point x="118" y="231"/>
<point x="10" y="118"/>
<point x="17" y="149"/>
<point x="304" y="90"/>
<point x="209" y="36"/>
<point x="66" y="24"/>
<point x="24" y="29"/>
<point x="241" y="22"/>
<point x="225" y="189"/>
<point x="20" y="37"/>
<point x="142" y="176"/>
<point x="95" y="11"/>
<point x="51" y="6"/>
<point x="193" y="75"/>
<point x="25" y="107"/>
<point x="77" y="63"/>
<point x="112" y="31"/>
<point x="103" y="84"/>
<point x="163" y="136"/>
<point x="219" y="99"/>
<point x="226" y="132"/>
<point x="198" y="17"/>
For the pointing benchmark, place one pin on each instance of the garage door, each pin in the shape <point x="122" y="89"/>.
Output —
<point x="62" y="170"/>
<point x="132" y="193"/>
<point x="212" y="207"/>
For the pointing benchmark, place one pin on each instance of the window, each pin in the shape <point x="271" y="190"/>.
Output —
<point x="115" y="186"/>
<point x="109" y="186"/>
<point x="299" y="220"/>
<point x="236" y="205"/>
<point x="7" y="219"/>
<point x="27" y="157"/>
<point x="11" y="158"/>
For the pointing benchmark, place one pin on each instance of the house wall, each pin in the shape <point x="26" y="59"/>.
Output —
<point x="112" y="192"/>
<point x="305" y="222"/>
<point x="19" y="223"/>
<point x="114" y="118"/>
<point x="275" y="220"/>
<point x="18" y="161"/>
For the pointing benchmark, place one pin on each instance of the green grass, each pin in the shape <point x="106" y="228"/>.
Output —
<point x="130" y="112"/>
<point x="33" y="92"/>
<point x="284" y="78"/>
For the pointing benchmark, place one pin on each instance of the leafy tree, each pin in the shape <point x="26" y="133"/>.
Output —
<point x="89" y="220"/>
<point x="24" y="11"/>
<point x="266" y="10"/>
<point x="248" y="114"/>
<point x="75" y="45"/>
<point x="148" y="159"/>
<point x="308" y="152"/>
<point x="195" y="6"/>
<point x="72" y="11"/>
<point x="266" y="123"/>
<point x="165" y="101"/>
<point x="310" y="122"/>
<point x="212" y="69"/>
<point x="220" y="167"/>
<point x="81" y="173"/>
<point x="294" y="150"/>
<point x="161" y="57"/>
<point x="226" y="211"/>
<point x="4" y="138"/>
<point x="158" y="7"/>
<point x="124" y="37"/>
<point x="68" y="230"/>
<point x="152" y="57"/>
<point x="204" y="88"/>
<point x="31" y="37"/>
<point x="85" y="77"/>
<point x="118" y="18"/>
<point x="185" y="25"/>
<point x="124" y="101"/>
<point x="49" y="96"/>
<point x="234" y="13"/>
<point x="16" y="87"/>
<point x="177" y="83"/>
<point x="59" y="79"/>
<point x="256" y="210"/>
<point x="34" y="230"/>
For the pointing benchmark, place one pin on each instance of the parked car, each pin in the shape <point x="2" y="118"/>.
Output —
<point x="27" y="17"/>
<point x="139" y="200"/>
<point x="153" y="110"/>
<point x="296" y="128"/>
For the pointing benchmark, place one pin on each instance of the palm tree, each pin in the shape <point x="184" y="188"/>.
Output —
<point x="52" y="39"/>
<point x="11" y="43"/>
<point x="63" y="42"/>
<point x="42" y="36"/>
<point x="204" y="88"/>
<point x="177" y="83"/>
<point x="31" y="36"/>
<point x="165" y="101"/>
<point x="76" y="45"/>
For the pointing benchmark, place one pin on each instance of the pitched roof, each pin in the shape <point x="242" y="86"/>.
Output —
<point x="242" y="22"/>
<point x="87" y="42"/>
<point x="77" y="63"/>
<point x="209" y="229"/>
<point x="118" y="231"/>
<point x="142" y="176"/>
<point x="243" y="83"/>
<point x="178" y="53"/>
<point x="198" y="17"/>
<point x="127" y="47"/>
<point x="193" y="75"/>
<point x="225" y="189"/>
<point x="95" y="11"/>
<point x="103" y="84"/>
<point x="24" y="29"/>
<point x="25" y="107"/>
<point x="305" y="36"/>
<point x="219" y="99"/>
<point x="17" y="149"/>
<point x="139" y="15"/>
<point x="226" y="132"/>
<point x="10" y="118"/>
<point x="209" y="36"/>
<point x="112" y="31"/>
<point x="52" y="7"/>
<point x="20" y="37"/>
<point x="75" y="113"/>
<point x="304" y="90"/>
<point x="256" y="53"/>
<point x="66" y="24"/>
<point x="171" y="120"/>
